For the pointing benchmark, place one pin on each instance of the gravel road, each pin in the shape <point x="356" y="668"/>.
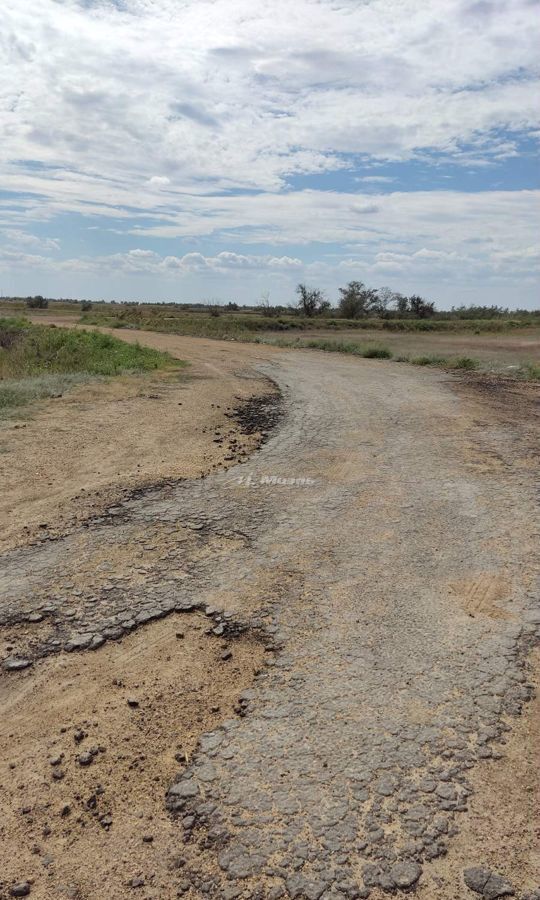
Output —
<point x="382" y="544"/>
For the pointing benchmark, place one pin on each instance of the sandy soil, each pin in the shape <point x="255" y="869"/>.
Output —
<point x="71" y="457"/>
<point x="92" y="829"/>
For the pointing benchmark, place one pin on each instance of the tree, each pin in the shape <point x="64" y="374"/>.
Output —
<point x="37" y="302"/>
<point x="402" y="304"/>
<point x="264" y="304"/>
<point x="356" y="300"/>
<point x="310" y="300"/>
<point x="86" y="306"/>
<point x="385" y="297"/>
<point x="421" y="308"/>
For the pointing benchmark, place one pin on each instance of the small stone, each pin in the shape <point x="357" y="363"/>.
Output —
<point x="497" y="886"/>
<point x="78" y="642"/>
<point x="489" y="884"/>
<point x="427" y="785"/>
<point x="386" y="882"/>
<point x="446" y="791"/>
<point x="85" y="759"/>
<point x="136" y="882"/>
<point x="276" y="892"/>
<point x="405" y="874"/>
<point x="22" y="889"/>
<point x="386" y="785"/>
<point x="299" y="886"/>
<point x="148" y="838"/>
<point x="16" y="664"/>
<point x="97" y="641"/>
<point x="227" y="654"/>
<point x="132" y="702"/>
<point x="184" y="789"/>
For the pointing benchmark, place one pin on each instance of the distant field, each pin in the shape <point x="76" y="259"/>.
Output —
<point x="508" y="344"/>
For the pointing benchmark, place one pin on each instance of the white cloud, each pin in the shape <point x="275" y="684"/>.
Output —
<point x="159" y="180"/>
<point x="191" y="120"/>
<point x="147" y="262"/>
<point x="249" y="92"/>
<point x="16" y="237"/>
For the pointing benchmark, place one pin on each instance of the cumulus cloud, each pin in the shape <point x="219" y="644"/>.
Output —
<point x="148" y="262"/>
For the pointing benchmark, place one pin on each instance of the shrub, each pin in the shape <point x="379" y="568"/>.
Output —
<point x="377" y="353"/>
<point x="428" y="361"/>
<point x="465" y="362"/>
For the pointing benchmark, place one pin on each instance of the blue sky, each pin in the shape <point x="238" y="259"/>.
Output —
<point x="218" y="149"/>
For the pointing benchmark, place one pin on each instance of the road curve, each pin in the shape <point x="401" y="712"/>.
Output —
<point x="383" y="544"/>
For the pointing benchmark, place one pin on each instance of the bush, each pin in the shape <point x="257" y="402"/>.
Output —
<point x="11" y="331"/>
<point x="465" y="362"/>
<point x="377" y="353"/>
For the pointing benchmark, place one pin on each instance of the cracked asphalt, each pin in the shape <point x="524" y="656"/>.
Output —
<point x="383" y="546"/>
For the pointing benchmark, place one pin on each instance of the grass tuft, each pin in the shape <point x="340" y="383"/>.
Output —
<point x="530" y="372"/>
<point x="377" y="353"/>
<point x="428" y="361"/>
<point x="465" y="362"/>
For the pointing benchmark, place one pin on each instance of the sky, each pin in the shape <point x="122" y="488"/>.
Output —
<point x="217" y="150"/>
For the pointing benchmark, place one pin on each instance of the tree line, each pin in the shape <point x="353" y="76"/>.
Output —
<point x="358" y="301"/>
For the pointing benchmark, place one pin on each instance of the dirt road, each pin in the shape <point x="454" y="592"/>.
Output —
<point x="377" y="557"/>
<point x="68" y="458"/>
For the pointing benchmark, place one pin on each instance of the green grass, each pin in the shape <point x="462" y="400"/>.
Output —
<point x="39" y="361"/>
<point x="465" y="362"/>
<point x="377" y="353"/>
<point x="530" y="372"/>
<point x="428" y="360"/>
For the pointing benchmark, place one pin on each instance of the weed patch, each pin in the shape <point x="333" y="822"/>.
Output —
<point x="38" y="361"/>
